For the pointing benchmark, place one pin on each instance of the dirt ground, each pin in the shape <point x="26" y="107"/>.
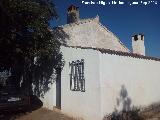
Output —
<point x="44" y="114"/>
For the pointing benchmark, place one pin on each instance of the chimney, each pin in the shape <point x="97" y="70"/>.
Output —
<point x="138" y="46"/>
<point x="72" y="14"/>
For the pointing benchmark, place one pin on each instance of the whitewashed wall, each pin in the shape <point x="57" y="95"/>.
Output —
<point x="104" y="75"/>
<point x="81" y="104"/>
<point x="49" y="99"/>
<point x="140" y="77"/>
<point x="138" y="45"/>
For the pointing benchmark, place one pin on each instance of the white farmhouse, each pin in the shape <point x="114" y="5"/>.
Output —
<point x="100" y="73"/>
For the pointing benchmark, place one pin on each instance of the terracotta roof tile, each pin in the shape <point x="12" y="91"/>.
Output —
<point x="120" y="53"/>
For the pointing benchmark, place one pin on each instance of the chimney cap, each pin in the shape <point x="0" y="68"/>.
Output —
<point x="138" y="35"/>
<point x="72" y="7"/>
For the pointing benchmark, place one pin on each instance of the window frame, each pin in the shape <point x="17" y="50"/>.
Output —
<point x="77" y="79"/>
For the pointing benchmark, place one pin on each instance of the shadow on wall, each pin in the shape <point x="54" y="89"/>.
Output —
<point x="123" y="101"/>
<point x="33" y="74"/>
<point x="46" y="69"/>
<point x="123" y="109"/>
<point x="60" y="35"/>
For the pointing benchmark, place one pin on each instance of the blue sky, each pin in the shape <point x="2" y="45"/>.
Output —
<point x="123" y="20"/>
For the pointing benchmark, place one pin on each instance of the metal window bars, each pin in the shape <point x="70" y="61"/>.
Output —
<point x="77" y="80"/>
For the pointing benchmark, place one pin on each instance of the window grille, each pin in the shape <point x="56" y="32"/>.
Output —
<point x="77" y="80"/>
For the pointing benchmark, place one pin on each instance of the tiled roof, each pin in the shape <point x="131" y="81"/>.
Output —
<point x="120" y="53"/>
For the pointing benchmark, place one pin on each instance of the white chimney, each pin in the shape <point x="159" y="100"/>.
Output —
<point x="138" y="46"/>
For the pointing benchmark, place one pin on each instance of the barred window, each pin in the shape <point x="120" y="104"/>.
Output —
<point x="77" y="80"/>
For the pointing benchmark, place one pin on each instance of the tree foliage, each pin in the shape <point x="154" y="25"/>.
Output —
<point x="27" y="45"/>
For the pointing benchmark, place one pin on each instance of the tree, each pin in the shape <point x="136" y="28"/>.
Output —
<point x="27" y="46"/>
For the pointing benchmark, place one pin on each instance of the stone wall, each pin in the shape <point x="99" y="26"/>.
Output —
<point x="91" y="33"/>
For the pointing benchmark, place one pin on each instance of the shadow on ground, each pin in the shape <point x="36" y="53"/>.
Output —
<point x="35" y="103"/>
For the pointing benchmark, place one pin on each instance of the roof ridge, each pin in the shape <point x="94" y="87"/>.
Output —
<point x="81" y="21"/>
